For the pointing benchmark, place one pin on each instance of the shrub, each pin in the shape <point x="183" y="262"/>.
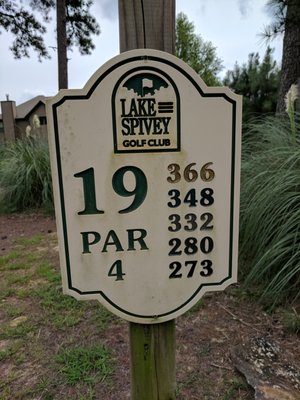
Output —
<point x="25" y="176"/>
<point x="270" y="210"/>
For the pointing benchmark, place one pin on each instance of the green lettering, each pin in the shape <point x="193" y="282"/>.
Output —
<point x="133" y="109"/>
<point x="123" y="101"/>
<point x="125" y="125"/>
<point x="112" y="240"/>
<point x="166" y="121"/>
<point x="88" y="239"/>
<point x="152" y="111"/>
<point x="156" y="126"/>
<point x="134" y="123"/>
<point x="139" y="239"/>
<point x="147" y="124"/>
<point x="89" y="192"/>
<point x="142" y="109"/>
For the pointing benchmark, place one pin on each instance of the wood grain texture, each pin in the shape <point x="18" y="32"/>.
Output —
<point x="150" y="24"/>
<point x="152" y="349"/>
<point x="147" y="24"/>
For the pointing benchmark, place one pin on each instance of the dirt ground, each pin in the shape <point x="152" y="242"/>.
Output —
<point x="205" y="336"/>
<point x="15" y="226"/>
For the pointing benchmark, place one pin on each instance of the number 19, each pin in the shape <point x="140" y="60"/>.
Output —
<point x="139" y="191"/>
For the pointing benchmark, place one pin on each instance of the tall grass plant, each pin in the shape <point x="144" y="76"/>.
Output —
<point x="25" y="176"/>
<point x="270" y="209"/>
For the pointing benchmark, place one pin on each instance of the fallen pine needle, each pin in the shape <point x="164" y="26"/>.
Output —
<point x="220" y="366"/>
<point x="237" y="318"/>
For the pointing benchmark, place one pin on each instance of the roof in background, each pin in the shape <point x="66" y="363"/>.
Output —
<point x="24" y="109"/>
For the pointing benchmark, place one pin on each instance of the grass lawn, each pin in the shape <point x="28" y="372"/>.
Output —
<point x="54" y="347"/>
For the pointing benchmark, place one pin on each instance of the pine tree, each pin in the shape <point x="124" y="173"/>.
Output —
<point x="257" y="82"/>
<point x="75" y="27"/>
<point x="192" y="49"/>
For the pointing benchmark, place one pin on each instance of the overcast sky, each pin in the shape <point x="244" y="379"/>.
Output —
<point x="233" y="26"/>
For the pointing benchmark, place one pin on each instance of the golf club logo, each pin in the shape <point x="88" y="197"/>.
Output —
<point x="146" y="113"/>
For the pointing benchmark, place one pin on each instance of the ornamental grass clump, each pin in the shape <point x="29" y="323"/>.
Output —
<point x="25" y="176"/>
<point x="270" y="209"/>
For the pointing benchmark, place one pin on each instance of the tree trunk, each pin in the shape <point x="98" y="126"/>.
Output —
<point x="62" y="44"/>
<point x="290" y="73"/>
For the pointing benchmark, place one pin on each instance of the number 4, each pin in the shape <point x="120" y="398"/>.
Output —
<point x="116" y="270"/>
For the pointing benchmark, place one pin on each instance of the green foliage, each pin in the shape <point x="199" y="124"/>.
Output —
<point x="192" y="49"/>
<point x="12" y="256"/>
<point x="270" y="210"/>
<point x="291" y="321"/>
<point x="196" y="307"/>
<point x="13" y="332"/>
<point x="25" y="176"/>
<point x="81" y="25"/>
<point x="276" y="8"/>
<point x="87" y="364"/>
<point x="52" y="299"/>
<point x="28" y="29"/>
<point x="43" y="320"/>
<point x="234" y="387"/>
<point x="13" y="348"/>
<point x="258" y="83"/>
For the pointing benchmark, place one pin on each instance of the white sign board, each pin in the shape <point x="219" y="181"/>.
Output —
<point x="146" y="163"/>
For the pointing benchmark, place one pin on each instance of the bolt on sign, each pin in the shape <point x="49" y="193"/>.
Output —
<point x="146" y="164"/>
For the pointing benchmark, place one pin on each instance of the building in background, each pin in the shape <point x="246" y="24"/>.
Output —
<point x="15" y="119"/>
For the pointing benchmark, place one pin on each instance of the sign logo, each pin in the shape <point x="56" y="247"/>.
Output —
<point x="146" y="113"/>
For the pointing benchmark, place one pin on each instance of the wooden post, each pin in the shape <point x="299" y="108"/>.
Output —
<point x="150" y="24"/>
<point x="152" y="358"/>
<point x="147" y="24"/>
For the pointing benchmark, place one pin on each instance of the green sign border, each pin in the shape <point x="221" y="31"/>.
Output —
<point x="105" y="74"/>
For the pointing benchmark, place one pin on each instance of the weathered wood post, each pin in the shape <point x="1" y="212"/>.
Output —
<point x="152" y="358"/>
<point x="147" y="24"/>
<point x="150" y="24"/>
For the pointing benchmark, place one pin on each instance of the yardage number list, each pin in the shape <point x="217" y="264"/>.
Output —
<point x="193" y="251"/>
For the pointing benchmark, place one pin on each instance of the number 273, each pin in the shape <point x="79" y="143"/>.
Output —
<point x="176" y="268"/>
